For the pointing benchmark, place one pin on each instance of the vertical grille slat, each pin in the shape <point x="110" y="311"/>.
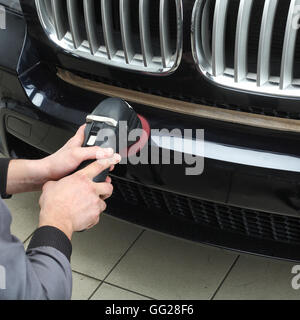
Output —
<point x="241" y="41"/>
<point x="288" y="51"/>
<point x="108" y="28"/>
<point x="145" y="36"/>
<point x="48" y="5"/>
<point x="90" y="25"/>
<point x="164" y="32"/>
<point x="74" y="22"/>
<point x="218" y="41"/>
<point x="125" y="30"/>
<point x="265" y="42"/>
<point x="205" y="31"/>
<point x="138" y="35"/>
<point x="58" y="18"/>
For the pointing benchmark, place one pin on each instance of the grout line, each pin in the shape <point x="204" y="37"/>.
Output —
<point x="119" y="260"/>
<point x="28" y="237"/>
<point x="86" y="275"/>
<point x="225" y="277"/>
<point x="97" y="288"/>
<point x="125" y="289"/>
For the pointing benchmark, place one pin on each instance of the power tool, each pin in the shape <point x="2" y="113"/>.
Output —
<point x="106" y="118"/>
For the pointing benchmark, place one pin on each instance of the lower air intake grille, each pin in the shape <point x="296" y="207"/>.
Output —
<point x="247" y="222"/>
<point x="253" y="45"/>
<point x="140" y="35"/>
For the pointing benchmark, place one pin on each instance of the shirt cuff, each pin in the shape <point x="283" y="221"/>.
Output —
<point x="48" y="236"/>
<point x="4" y="163"/>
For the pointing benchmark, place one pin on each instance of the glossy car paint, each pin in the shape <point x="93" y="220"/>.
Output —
<point x="31" y="91"/>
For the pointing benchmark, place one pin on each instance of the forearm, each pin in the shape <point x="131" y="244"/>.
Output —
<point x="44" y="272"/>
<point x="26" y="176"/>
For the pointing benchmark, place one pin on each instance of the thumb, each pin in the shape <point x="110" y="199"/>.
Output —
<point x="78" y="139"/>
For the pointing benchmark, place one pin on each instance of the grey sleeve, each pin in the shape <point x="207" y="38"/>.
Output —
<point x="43" y="272"/>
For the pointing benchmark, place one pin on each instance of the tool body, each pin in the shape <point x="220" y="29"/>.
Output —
<point x="107" y="117"/>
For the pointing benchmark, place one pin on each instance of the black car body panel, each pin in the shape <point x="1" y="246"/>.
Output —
<point x="40" y="112"/>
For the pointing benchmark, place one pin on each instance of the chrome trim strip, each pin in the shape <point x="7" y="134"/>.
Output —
<point x="232" y="154"/>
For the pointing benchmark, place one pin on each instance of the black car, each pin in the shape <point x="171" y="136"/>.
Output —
<point x="230" y="67"/>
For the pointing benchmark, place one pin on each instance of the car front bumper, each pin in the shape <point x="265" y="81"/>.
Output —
<point x="247" y="198"/>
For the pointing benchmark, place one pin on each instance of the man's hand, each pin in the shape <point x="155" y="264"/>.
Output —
<point x="70" y="156"/>
<point x="74" y="203"/>
<point x="31" y="175"/>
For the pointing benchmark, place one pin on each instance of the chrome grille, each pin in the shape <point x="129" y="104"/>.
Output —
<point x="139" y="35"/>
<point x="265" y="62"/>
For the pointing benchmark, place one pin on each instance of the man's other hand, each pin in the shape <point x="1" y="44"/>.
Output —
<point x="75" y="202"/>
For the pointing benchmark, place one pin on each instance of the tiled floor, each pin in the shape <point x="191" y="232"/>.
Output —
<point x="117" y="260"/>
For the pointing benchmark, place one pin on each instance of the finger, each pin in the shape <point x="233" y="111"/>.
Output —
<point x="108" y="179"/>
<point x="105" y="197"/>
<point x="104" y="189"/>
<point x="95" y="168"/>
<point x="103" y="207"/>
<point x="78" y="138"/>
<point x="47" y="185"/>
<point x="111" y="168"/>
<point x="94" y="223"/>
<point x="90" y="153"/>
<point x="80" y="133"/>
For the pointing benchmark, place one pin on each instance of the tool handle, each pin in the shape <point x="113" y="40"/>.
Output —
<point x="83" y="165"/>
<point x="102" y="176"/>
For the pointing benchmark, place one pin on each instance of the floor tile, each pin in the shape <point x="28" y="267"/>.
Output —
<point x="25" y="212"/>
<point x="167" y="268"/>
<point x="108" y="292"/>
<point x="83" y="286"/>
<point x="96" y="251"/>
<point x="256" y="278"/>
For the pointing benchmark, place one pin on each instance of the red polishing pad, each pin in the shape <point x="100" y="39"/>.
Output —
<point x="138" y="146"/>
